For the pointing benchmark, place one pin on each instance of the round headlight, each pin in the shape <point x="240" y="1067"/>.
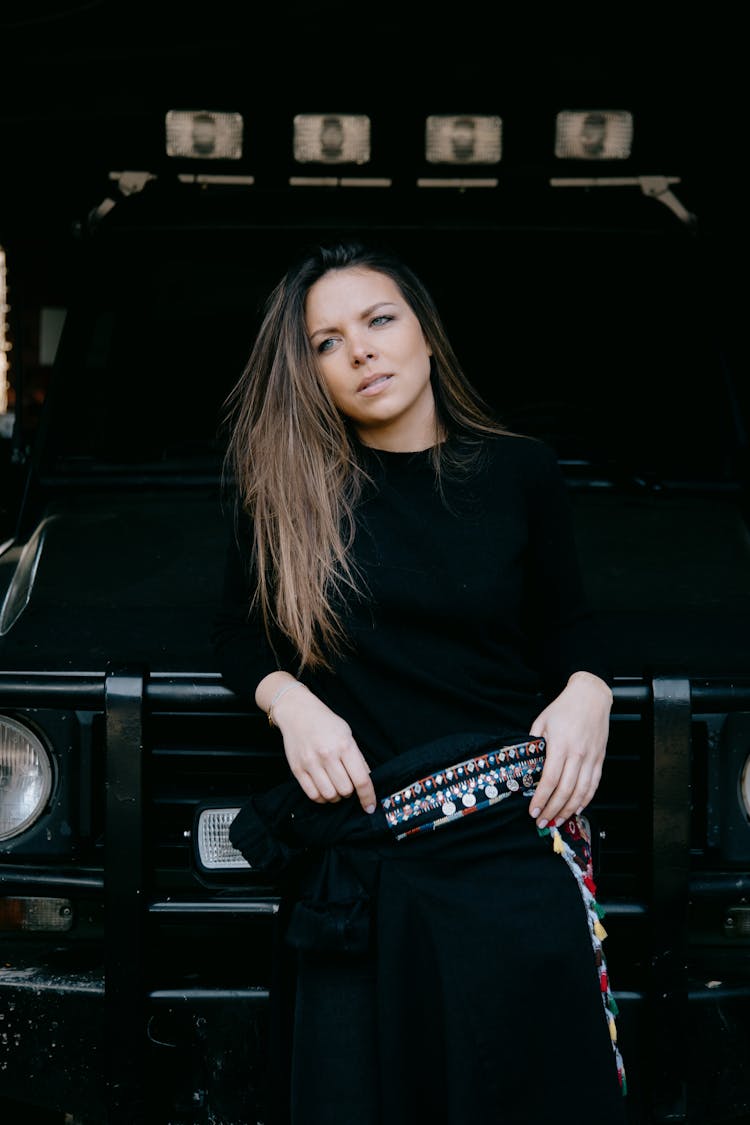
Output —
<point x="25" y="777"/>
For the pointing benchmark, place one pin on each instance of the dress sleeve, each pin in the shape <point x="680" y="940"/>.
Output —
<point x="237" y="636"/>
<point x="565" y="633"/>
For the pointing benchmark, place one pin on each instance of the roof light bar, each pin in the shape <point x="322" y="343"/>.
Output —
<point x="463" y="139"/>
<point x="332" y="138"/>
<point x="203" y="134"/>
<point x="341" y="181"/>
<point x="656" y="187"/>
<point x="207" y="178"/>
<point x="455" y="182"/>
<point x="131" y="182"/>
<point x="593" y="134"/>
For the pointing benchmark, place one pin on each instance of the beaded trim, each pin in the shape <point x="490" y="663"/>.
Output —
<point x="463" y="788"/>
<point x="572" y="840"/>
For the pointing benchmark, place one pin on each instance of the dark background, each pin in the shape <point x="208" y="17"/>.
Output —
<point x="87" y="85"/>
<point x="618" y="326"/>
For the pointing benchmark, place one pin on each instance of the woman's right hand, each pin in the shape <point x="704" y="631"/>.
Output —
<point x="321" y="750"/>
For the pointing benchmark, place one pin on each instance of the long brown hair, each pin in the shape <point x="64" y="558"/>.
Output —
<point x="294" y="461"/>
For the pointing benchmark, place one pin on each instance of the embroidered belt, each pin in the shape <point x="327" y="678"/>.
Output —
<point x="463" y="788"/>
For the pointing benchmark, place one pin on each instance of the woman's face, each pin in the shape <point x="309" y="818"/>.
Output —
<point x="373" y="356"/>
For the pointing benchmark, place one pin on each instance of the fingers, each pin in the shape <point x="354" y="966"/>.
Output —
<point x="567" y="784"/>
<point x="576" y="727"/>
<point x="321" y="750"/>
<point x="359" y="772"/>
<point x="333" y="774"/>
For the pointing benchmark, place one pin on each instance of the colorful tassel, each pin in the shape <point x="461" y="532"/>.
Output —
<point x="578" y="830"/>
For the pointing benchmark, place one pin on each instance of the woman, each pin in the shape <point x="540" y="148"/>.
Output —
<point x="402" y="596"/>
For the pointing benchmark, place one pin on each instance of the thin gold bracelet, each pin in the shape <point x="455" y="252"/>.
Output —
<point x="277" y="697"/>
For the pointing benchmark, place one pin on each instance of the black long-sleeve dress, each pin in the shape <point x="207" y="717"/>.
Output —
<point x="476" y="609"/>
<point x="480" y="995"/>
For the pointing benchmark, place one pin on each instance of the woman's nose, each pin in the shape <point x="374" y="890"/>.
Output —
<point x="362" y="353"/>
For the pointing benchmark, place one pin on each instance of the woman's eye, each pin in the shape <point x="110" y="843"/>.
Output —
<point x="382" y="319"/>
<point x="326" y="345"/>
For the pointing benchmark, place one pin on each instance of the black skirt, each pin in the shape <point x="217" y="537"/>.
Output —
<point x="480" y="996"/>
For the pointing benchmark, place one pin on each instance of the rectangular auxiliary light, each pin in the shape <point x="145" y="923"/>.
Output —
<point x="215" y="851"/>
<point x="40" y="915"/>
<point x="202" y="134"/>
<point x="463" y="139"/>
<point x="594" y="134"/>
<point x="332" y="138"/>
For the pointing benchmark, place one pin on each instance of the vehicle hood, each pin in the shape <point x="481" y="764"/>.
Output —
<point x="115" y="577"/>
<point x="137" y="577"/>
<point x="668" y="574"/>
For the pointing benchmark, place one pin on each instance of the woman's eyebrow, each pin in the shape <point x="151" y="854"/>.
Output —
<point x="363" y="316"/>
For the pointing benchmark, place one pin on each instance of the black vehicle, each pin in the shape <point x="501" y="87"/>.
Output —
<point x="137" y="945"/>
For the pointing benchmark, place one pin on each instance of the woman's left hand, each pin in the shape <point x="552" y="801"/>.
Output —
<point x="575" y="726"/>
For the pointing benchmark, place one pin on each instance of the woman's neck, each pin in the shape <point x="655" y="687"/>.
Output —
<point x="403" y="442"/>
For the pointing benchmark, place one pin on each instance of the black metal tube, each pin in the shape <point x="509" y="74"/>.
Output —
<point x="197" y="690"/>
<point x="124" y="985"/>
<point x="670" y="873"/>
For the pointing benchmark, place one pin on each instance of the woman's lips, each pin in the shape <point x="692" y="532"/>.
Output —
<point x="373" y="384"/>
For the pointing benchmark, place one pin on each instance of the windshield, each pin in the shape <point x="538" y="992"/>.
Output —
<point x="597" y="340"/>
